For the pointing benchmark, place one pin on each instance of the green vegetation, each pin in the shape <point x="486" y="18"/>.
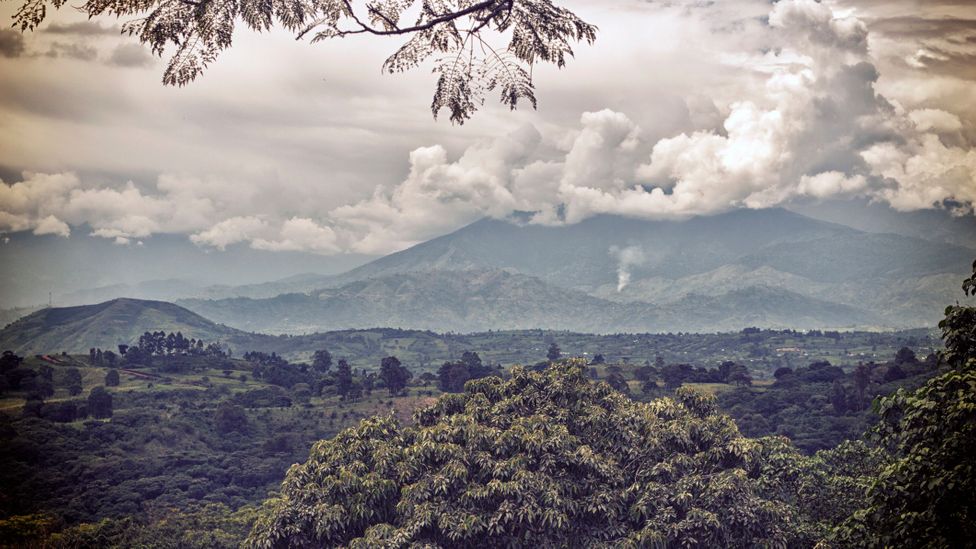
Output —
<point x="173" y="439"/>
<point x="181" y="449"/>
<point x="820" y="405"/>
<point x="544" y="459"/>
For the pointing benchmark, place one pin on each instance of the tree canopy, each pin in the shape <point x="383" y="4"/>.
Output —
<point x="545" y="459"/>
<point x="925" y="493"/>
<point x="476" y="47"/>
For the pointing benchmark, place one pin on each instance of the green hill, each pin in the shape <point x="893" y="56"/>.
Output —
<point x="105" y="325"/>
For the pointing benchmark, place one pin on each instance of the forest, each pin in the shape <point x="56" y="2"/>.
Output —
<point x="173" y="441"/>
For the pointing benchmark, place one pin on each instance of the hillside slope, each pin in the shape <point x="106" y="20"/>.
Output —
<point x="903" y="281"/>
<point x="478" y="300"/>
<point x="105" y="325"/>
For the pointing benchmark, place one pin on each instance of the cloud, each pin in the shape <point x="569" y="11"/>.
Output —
<point x="935" y="120"/>
<point x="230" y="231"/>
<point x="52" y="225"/>
<point x="301" y="234"/>
<point x="438" y="195"/>
<point x="25" y="204"/>
<point x="801" y="107"/>
<point x="131" y="55"/>
<point x="831" y="184"/>
<point x="11" y="43"/>
<point x="81" y="28"/>
<point x="80" y="52"/>
<point x="924" y="173"/>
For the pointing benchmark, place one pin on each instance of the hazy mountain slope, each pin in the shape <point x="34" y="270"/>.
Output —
<point x="300" y="283"/>
<point x="32" y="265"/>
<point x="158" y="290"/>
<point x="903" y="281"/>
<point x="9" y="315"/>
<point x="105" y="325"/>
<point x="937" y="224"/>
<point x="894" y="302"/>
<point x="436" y="300"/>
<point x="475" y="300"/>
<point x="580" y="255"/>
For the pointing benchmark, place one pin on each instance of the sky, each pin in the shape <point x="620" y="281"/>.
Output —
<point x="679" y="108"/>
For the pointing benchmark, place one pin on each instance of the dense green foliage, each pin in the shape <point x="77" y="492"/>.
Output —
<point x="189" y="442"/>
<point x="452" y="376"/>
<point x="820" y="405"/>
<point x="925" y="494"/>
<point x="545" y="459"/>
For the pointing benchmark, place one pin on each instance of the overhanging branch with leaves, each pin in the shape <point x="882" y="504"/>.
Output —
<point x="194" y="32"/>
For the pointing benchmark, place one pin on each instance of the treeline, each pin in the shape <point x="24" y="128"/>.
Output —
<point x="820" y="405"/>
<point x="37" y="385"/>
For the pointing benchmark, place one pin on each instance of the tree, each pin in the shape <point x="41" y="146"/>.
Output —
<point x="451" y="377"/>
<point x="46" y="372"/>
<point x="136" y="355"/>
<point x="451" y="32"/>
<point x="72" y="376"/>
<point x="123" y="349"/>
<point x="322" y="361"/>
<point x="739" y="375"/>
<point x="617" y="381"/>
<point x="112" y="378"/>
<point x="649" y="387"/>
<point x="673" y="375"/>
<point x="925" y="494"/>
<point x="598" y="359"/>
<point x="645" y="373"/>
<point x="554" y="353"/>
<point x="838" y="397"/>
<point x="529" y="462"/>
<point x="369" y="380"/>
<point x="343" y="378"/>
<point x="394" y="374"/>
<point x="473" y="362"/>
<point x="894" y="373"/>
<point x="229" y="418"/>
<point x="100" y="403"/>
<point x="905" y="356"/>
<point x="862" y="377"/>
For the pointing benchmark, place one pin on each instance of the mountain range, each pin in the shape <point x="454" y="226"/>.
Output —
<point x="768" y="268"/>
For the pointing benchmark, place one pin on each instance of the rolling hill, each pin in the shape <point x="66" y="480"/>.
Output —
<point x="105" y="325"/>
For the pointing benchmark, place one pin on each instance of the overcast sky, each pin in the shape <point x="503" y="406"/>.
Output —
<point x="679" y="108"/>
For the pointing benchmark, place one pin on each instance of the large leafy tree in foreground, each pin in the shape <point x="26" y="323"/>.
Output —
<point x="925" y="495"/>
<point x="476" y="46"/>
<point x="549" y="459"/>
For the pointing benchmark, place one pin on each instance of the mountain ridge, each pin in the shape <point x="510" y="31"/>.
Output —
<point x="479" y="300"/>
